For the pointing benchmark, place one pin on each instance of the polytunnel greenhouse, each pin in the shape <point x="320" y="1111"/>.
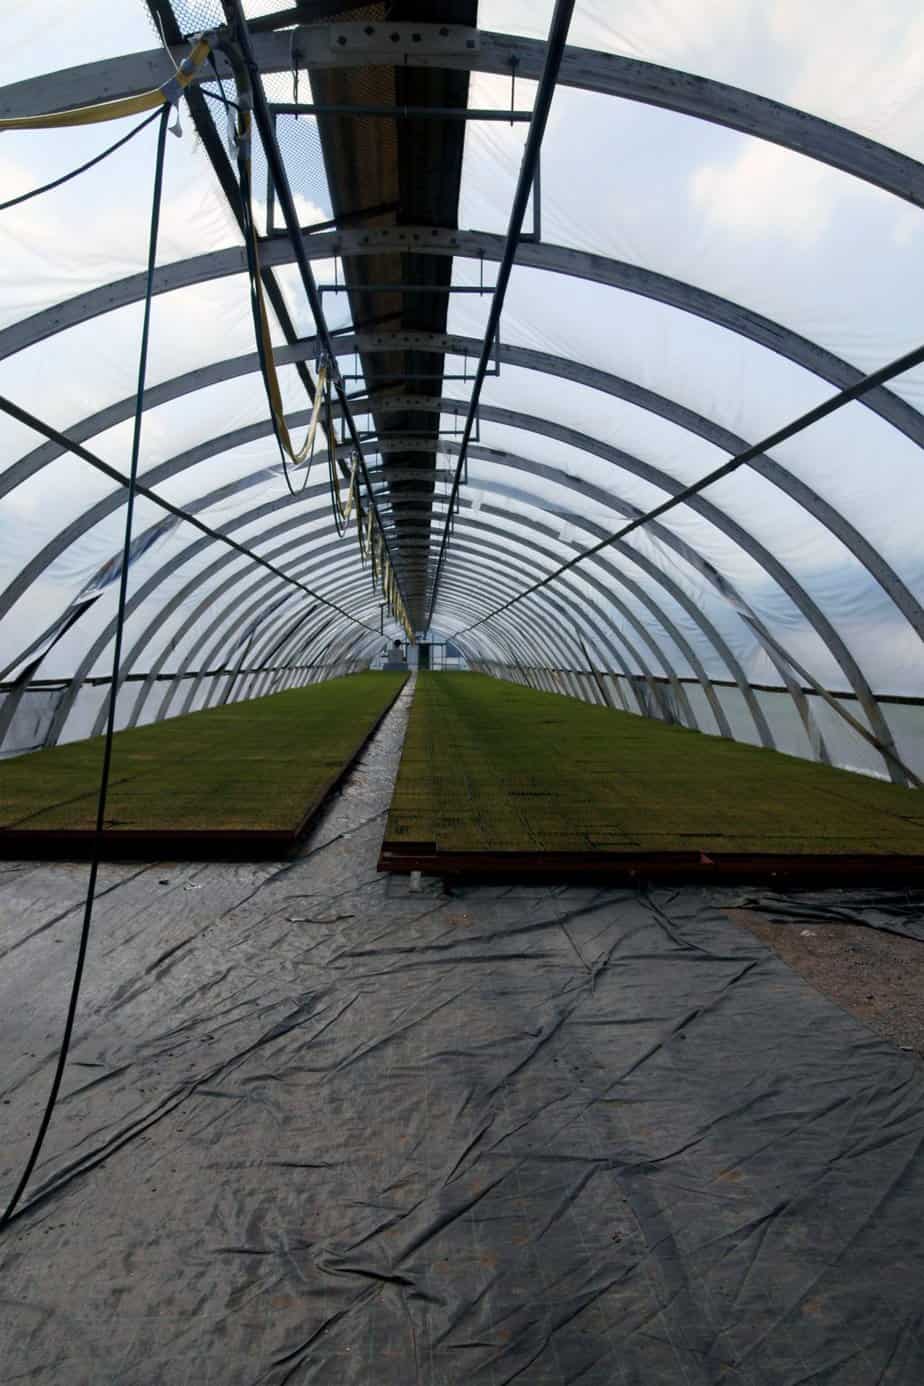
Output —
<point x="462" y="693"/>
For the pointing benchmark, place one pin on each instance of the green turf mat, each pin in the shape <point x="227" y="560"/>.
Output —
<point x="260" y="766"/>
<point x="490" y="767"/>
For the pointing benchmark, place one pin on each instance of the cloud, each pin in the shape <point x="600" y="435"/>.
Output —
<point x="766" y="190"/>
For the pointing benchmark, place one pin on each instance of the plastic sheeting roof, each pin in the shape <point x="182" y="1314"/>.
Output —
<point x="712" y="264"/>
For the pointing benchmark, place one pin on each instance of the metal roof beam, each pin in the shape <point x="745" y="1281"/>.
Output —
<point x="607" y="73"/>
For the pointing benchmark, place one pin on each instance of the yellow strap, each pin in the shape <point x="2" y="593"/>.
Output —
<point x="297" y="455"/>
<point x="115" y="110"/>
<point x="316" y="411"/>
<point x="364" y="534"/>
<point x="347" y="510"/>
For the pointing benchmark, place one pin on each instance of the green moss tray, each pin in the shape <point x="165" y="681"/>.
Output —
<point x="499" y="779"/>
<point x="240" y="780"/>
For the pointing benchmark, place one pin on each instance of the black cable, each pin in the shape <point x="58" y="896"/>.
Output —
<point x="113" y="690"/>
<point x="221" y="86"/>
<point x="97" y="158"/>
<point x="220" y="98"/>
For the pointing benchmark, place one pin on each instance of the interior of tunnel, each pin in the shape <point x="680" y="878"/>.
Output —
<point x="461" y="605"/>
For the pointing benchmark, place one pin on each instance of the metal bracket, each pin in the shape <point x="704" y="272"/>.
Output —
<point x="386" y="112"/>
<point x="404" y="288"/>
<point x="465" y="377"/>
<point x="378" y="40"/>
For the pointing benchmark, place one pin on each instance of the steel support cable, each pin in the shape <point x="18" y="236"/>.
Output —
<point x="53" y="435"/>
<point x="555" y="50"/>
<point x="241" y="55"/>
<point x="132" y="481"/>
<point x="83" y="168"/>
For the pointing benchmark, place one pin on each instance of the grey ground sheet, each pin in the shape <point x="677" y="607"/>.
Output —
<point x="322" y="1127"/>
<point x="894" y="911"/>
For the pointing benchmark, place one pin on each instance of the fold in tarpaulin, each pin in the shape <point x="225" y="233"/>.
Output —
<point x="894" y="911"/>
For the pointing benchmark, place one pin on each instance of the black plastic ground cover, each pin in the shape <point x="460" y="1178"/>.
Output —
<point x="893" y="911"/>
<point x="323" y="1129"/>
<point x="192" y="844"/>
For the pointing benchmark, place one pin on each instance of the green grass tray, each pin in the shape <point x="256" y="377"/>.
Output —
<point x="499" y="779"/>
<point x="240" y="780"/>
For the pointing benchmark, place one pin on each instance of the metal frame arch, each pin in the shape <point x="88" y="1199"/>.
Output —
<point x="801" y="599"/>
<point x="524" y="358"/>
<point x="316" y="556"/>
<point x="509" y="418"/>
<point x="665" y="624"/>
<point x="109" y="503"/>
<point x="478" y="245"/>
<point x="163" y="471"/>
<point x="292" y="652"/>
<point x="145" y="590"/>
<point x="232" y="608"/>
<point x="609" y="74"/>
<point x="656" y="688"/>
<point x="262" y="580"/>
<point x="880" y="730"/>
<point x="189" y="653"/>
<point x="585" y="602"/>
<point x="672" y="631"/>
<point x="579" y="607"/>
<point x="550" y="676"/>
<point x="520" y="632"/>
<point x="323" y="627"/>
<point x="725" y="589"/>
<point x="235" y="608"/>
<point x="812" y="614"/>
<point x="222" y="444"/>
<point x="605" y="594"/>
<point x="530" y="569"/>
<point x="530" y="621"/>
<point x="821" y="509"/>
<point x="194" y="456"/>
<point x="696" y="614"/>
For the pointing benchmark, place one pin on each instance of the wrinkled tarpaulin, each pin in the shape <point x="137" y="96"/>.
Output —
<point x="893" y="911"/>
<point x="320" y="1128"/>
